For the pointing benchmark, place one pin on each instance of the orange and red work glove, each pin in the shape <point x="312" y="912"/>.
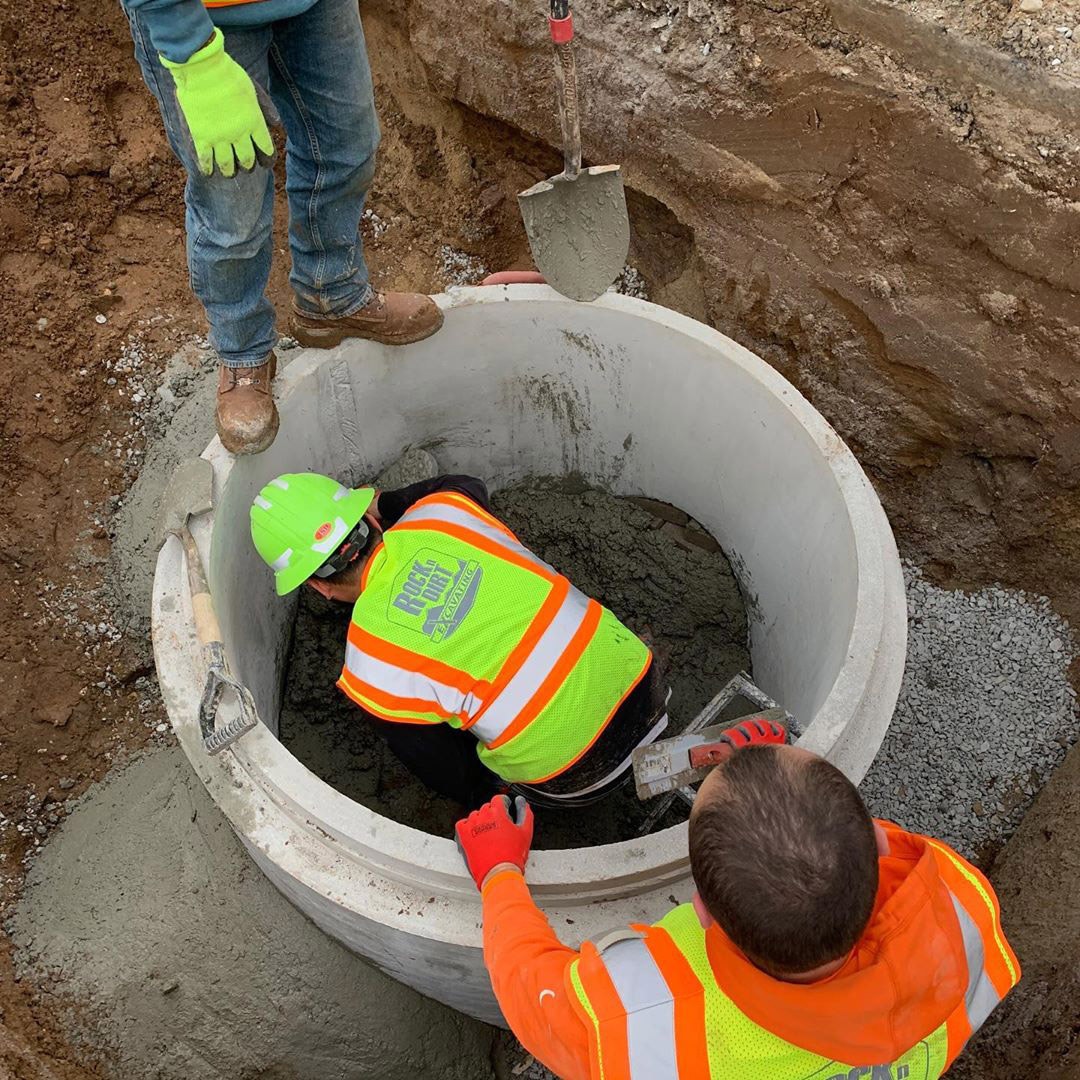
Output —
<point x="754" y="732"/>
<point x="489" y="836"/>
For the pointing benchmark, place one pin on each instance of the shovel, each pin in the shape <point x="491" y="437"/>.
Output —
<point x="190" y="491"/>
<point x="576" y="222"/>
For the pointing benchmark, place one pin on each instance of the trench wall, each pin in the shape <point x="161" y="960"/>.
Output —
<point x="857" y="195"/>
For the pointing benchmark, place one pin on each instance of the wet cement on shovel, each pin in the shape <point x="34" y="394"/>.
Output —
<point x="659" y="571"/>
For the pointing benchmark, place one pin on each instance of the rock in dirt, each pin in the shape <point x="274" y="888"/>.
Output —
<point x="183" y="962"/>
<point x="55" y="186"/>
<point x="1003" y="308"/>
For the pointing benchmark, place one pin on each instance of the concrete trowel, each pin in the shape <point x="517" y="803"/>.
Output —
<point x="576" y="222"/>
<point x="190" y="492"/>
<point x="671" y="764"/>
<point x="668" y="767"/>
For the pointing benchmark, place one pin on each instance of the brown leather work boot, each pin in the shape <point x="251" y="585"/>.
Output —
<point x="247" y="419"/>
<point x="392" y="318"/>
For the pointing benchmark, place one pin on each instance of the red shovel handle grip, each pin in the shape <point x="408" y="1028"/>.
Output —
<point x="562" y="30"/>
<point x="560" y="22"/>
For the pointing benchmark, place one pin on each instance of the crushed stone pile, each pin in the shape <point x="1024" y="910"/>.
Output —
<point x="985" y="714"/>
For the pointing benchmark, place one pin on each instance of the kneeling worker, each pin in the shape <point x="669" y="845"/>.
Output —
<point x="480" y="664"/>
<point x="820" y="945"/>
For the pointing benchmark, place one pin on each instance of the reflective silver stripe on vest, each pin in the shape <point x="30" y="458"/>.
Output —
<point x="456" y="515"/>
<point x="981" y="997"/>
<point x="546" y="653"/>
<point x="408" y="684"/>
<point x="650" y="1010"/>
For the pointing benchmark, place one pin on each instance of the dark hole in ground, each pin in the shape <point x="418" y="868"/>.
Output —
<point x="658" y="570"/>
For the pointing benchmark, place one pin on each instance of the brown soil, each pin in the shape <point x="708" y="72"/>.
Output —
<point x="91" y="220"/>
<point x="1038" y="882"/>
<point x="917" y="279"/>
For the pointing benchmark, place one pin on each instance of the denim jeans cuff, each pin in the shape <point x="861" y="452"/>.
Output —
<point x="244" y="361"/>
<point x="351" y="308"/>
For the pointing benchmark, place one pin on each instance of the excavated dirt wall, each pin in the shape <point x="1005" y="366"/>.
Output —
<point x="883" y="208"/>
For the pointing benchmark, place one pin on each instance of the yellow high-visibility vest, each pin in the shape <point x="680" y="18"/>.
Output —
<point x="457" y="622"/>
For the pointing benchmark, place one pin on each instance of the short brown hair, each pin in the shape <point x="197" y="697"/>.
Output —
<point x="784" y="857"/>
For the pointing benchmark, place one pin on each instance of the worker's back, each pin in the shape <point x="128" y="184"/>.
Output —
<point x="457" y="622"/>
<point x="676" y="1000"/>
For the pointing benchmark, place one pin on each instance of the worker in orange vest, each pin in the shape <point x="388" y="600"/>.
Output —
<point x="820" y="944"/>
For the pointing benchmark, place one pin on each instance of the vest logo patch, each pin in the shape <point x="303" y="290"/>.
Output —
<point x="914" y="1065"/>
<point x="435" y="593"/>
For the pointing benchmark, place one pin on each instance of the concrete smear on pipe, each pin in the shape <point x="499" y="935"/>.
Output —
<point x="660" y="574"/>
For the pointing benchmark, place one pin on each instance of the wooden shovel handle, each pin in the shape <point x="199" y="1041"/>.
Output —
<point x="561" y="24"/>
<point x="206" y="623"/>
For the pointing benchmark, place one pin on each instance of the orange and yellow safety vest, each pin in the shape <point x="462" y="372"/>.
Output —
<point x="458" y="622"/>
<point x="675" y="1001"/>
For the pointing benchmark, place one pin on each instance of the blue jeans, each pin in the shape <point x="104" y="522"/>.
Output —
<point x="315" y="68"/>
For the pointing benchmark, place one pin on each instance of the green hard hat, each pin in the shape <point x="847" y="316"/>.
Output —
<point x="299" y="520"/>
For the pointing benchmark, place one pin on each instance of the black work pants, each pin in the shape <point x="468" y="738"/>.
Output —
<point x="441" y="757"/>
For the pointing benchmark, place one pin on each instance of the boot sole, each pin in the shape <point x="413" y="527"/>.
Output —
<point x="319" y="337"/>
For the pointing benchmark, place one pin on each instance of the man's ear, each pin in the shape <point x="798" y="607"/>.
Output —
<point x="323" y="588"/>
<point x="882" y="838"/>
<point x="702" y="912"/>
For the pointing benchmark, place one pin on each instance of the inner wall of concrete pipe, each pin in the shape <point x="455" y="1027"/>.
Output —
<point x="520" y="382"/>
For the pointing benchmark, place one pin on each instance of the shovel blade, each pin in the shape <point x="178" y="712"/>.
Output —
<point x="578" y="230"/>
<point x="189" y="493"/>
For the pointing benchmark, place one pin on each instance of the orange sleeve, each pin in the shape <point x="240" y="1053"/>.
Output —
<point x="527" y="964"/>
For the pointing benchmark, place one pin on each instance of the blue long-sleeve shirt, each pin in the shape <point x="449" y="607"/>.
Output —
<point x="178" y="28"/>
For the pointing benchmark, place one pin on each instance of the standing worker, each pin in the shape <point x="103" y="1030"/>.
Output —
<point x="820" y="945"/>
<point x="477" y="661"/>
<point x="213" y="72"/>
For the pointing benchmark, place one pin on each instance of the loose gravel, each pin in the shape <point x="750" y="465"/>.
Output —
<point x="985" y="714"/>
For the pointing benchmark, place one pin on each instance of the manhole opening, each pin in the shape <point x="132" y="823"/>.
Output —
<point x="660" y="572"/>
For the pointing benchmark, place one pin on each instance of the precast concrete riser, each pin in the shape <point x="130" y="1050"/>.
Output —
<point x="521" y="381"/>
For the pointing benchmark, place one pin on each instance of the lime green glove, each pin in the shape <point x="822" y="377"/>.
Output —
<point x="219" y="103"/>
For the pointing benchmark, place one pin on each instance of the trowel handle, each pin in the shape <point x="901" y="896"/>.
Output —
<point x="561" y="24"/>
<point x="206" y="623"/>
